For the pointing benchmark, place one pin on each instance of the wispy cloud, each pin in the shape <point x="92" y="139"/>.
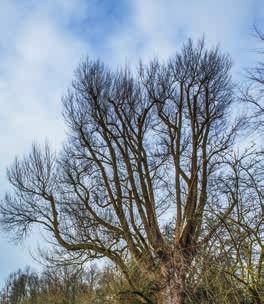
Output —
<point x="38" y="54"/>
<point x="158" y="29"/>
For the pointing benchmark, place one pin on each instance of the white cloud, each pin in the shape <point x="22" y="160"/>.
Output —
<point x="158" y="28"/>
<point x="37" y="59"/>
<point x="36" y="69"/>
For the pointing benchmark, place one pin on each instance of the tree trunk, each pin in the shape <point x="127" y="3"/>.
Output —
<point x="170" y="295"/>
<point x="172" y="284"/>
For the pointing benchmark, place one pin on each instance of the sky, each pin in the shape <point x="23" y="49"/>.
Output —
<point x="42" y="42"/>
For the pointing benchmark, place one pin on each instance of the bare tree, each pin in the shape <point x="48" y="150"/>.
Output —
<point x="19" y="287"/>
<point x="239" y="244"/>
<point x="253" y="93"/>
<point x="140" y="170"/>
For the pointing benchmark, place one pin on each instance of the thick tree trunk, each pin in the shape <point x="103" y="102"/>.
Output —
<point x="171" y="295"/>
<point x="172" y="284"/>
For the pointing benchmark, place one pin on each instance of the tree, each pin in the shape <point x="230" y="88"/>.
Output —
<point x="253" y="94"/>
<point x="63" y="284"/>
<point x="140" y="170"/>
<point x="239" y="244"/>
<point x="19" y="287"/>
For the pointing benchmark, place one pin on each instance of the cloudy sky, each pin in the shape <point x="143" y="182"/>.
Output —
<point x="42" y="42"/>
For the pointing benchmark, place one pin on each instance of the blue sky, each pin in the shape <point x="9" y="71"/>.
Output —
<point x="41" y="43"/>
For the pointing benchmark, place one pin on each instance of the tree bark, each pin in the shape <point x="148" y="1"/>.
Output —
<point x="171" y="294"/>
<point x="172" y="283"/>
